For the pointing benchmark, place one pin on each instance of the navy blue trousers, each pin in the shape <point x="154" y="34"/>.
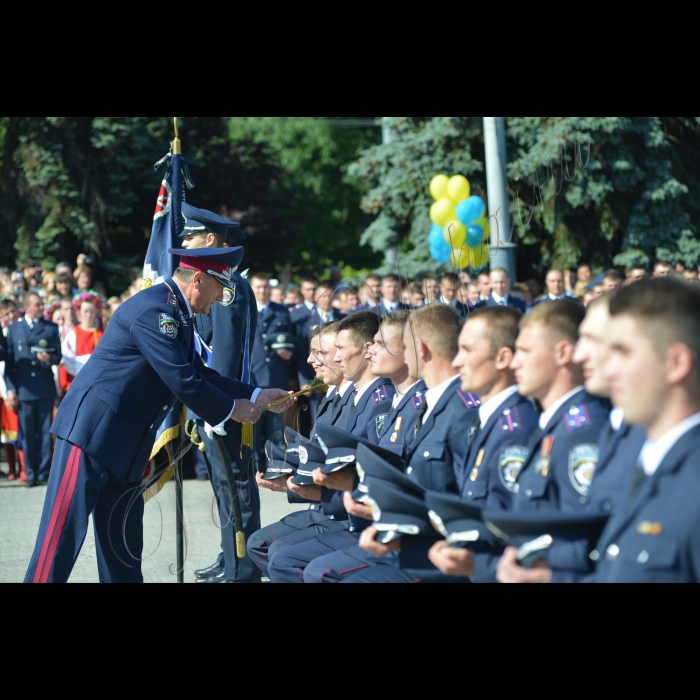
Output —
<point x="240" y="570"/>
<point x="295" y="528"/>
<point x="387" y="570"/>
<point x="35" y="419"/>
<point x="79" y="487"/>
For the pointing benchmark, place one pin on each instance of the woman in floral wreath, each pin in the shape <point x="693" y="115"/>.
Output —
<point x="81" y="342"/>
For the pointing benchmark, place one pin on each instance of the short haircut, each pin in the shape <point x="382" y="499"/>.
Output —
<point x="450" y="277"/>
<point x="503" y="326"/>
<point x="501" y="269"/>
<point x="664" y="264"/>
<point x="431" y="278"/>
<point x="439" y="326"/>
<point x="396" y="321"/>
<point x="391" y="278"/>
<point x="346" y="292"/>
<point x="31" y="295"/>
<point x="63" y="278"/>
<point x="416" y="288"/>
<point x="638" y="266"/>
<point x="185" y="274"/>
<point x="374" y="278"/>
<point x="260" y="277"/>
<point x="361" y="326"/>
<point x="613" y="276"/>
<point x="667" y="309"/>
<point x="562" y="318"/>
<point x="486" y="275"/>
<point x="329" y="328"/>
<point x="310" y="279"/>
<point x="7" y="304"/>
<point x="554" y="269"/>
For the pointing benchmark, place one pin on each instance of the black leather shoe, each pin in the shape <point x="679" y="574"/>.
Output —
<point x="43" y="483"/>
<point x="31" y="484"/>
<point x="246" y="582"/>
<point x="214" y="570"/>
<point x="221" y="578"/>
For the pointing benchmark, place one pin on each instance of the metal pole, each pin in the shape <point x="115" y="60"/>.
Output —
<point x="503" y="244"/>
<point x="179" y="511"/>
<point x="391" y="256"/>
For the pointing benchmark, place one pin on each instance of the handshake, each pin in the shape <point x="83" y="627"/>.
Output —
<point x="249" y="413"/>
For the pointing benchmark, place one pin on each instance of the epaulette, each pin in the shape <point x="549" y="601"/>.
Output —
<point x="469" y="400"/>
<point x="418" y="400"/>
<point x="380" y="395"/>
<point x="510" y="421"/>
<point x="578" y="417"/>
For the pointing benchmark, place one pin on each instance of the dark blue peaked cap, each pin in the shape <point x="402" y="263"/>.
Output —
<point x="220" y="263"/>
<point x="201" y="221"/>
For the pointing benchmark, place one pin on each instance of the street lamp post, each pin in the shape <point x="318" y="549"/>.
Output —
<point x="503" y="242"/>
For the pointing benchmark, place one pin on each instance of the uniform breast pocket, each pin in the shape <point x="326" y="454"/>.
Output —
<point x="434" y="456"/>
<point x="652" y="560"/>
<point x="117" y="404"/>
<point x="477" y="491"/>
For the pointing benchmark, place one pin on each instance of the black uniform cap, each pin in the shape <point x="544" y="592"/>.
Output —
<point x="203" y="221"/>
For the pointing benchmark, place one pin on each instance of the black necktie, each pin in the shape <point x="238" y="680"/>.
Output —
<point x="421" y="413"/>
<point x="336" y="401"/>
<point x="352" y="404"/>
<point x="639" y="478"/>
<point x="535" y="438"/>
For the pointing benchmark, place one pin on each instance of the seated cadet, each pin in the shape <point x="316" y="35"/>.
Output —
<point x="443" y="432"/>
<point x="507" y="420"/>
<point x="564" y="451"/>
<point x="339" y="554"/>
<point x="356" y="336"/>
<point x="620" y="450"/>
<point x="322" y="359"/>
<point x="654" y="375"/>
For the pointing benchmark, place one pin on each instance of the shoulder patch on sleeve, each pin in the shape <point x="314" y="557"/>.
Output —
<point x="578" y="417"/>
<point x="380" y="395"/>
<point x="510" y="421"/>
<point x="381" y="422"/>
<point x="583" y="461"/>
<point x="510" y="464"/>
<point x="470" y="401"/>
<point x="168" y="326"/>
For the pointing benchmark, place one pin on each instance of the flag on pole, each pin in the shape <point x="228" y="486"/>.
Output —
<point x="168" y="224"/>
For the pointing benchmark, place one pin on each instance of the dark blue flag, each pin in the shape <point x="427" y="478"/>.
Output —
<point x="168" y="224"/>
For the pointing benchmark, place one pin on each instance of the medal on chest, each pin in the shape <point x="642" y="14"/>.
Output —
<point x="397" y="430"/>
<point x="477" y="467"/>
<point x="545" y="462"/>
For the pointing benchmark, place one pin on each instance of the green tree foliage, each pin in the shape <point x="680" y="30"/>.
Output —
<point x="583" y="188"/>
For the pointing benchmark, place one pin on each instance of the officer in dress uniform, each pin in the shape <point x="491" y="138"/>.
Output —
<point x="653" y="371"/>
<point x="106" y="425"/>
<point x="273" y="350"/>
<point x="225" y="331"/>
<point x="500" y="291"/>
<point x="33" y="348"/>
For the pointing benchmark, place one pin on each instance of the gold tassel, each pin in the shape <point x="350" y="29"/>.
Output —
<point x="247" y="438"/>
<point x="240" y="545"/>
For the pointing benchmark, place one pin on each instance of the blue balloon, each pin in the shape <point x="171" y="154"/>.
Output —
<point x="441" y="252"/>
<point x="475" y="236"/>
<point x="470" y="210"/>
<point x="437" y="236"/>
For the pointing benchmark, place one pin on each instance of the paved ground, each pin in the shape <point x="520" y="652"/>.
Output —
<point x="20" y="513"/>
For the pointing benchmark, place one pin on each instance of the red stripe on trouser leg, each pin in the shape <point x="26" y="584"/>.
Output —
<point x="58" y="517"/>
<point x="352" y="571"/>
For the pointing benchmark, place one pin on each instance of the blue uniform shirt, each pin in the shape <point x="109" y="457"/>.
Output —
<point x="144" y="363"/>
<point x="395" y="431"/>
<point x="499" y="453"/>
<point x="269" y="368"/>
<point x="30" y="379"/>
<point x="562" y="463"/>
<point x="655" y="538"/>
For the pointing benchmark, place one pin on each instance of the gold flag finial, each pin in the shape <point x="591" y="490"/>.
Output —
<point x="177" y="144"/>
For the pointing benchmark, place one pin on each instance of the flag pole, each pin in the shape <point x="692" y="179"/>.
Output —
<point x="179" y="470"/>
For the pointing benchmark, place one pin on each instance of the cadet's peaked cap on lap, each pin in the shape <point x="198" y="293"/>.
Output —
<point x="220" y="263"/>
<point x="460" y="522"/>
<point x="341" y="447"/>
<point x="203" y="221"/>
<point x="394" y="511"/>
<point x="371" y="467"/>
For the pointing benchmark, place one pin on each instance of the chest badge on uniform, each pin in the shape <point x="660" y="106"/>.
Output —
<point x="43" y="344"/>
<point x="168" y="326"/>
<point x="650" y="529"/>
<point x="381" y="422"/>
<point x="397" y="430"/>
<point x="510" y="465"/>
<point x="583" y="460"/>
<point x="229" y="296"/>
<point x="477" y="468"/>
<point x="544" y="465"/>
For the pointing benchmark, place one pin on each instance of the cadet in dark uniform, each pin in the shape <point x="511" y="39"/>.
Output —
<point x="655" y="379"/>
<point x="272" y="354"/>
<point x="107" y="422"/>
<point x="3" y="347"/>
<point x="33" y="348"/>
<point x="225" y="331"/>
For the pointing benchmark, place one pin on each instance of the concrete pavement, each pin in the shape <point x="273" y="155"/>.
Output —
<point x="20" y="513"/>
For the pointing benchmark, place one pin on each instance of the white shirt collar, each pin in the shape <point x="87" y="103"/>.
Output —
<point x="391" y="305"/>
<point x="617" y="417"/>
<point x="400" y="396"/>
<point x="350" y="386"/>
<point x="553" y="298"/>
<point x="262" y="308"/>
<point x="448" y="303"/>
<point x="433" y="396"/>
<point x="310" y="305"/>
<point x="490" y="407"/>
<point x="547" y="416"/>
<point x="331" y="389"/>
<point x="499" y="300"/>
<point x="363" y="391"/>
<point x="654" y="453"/>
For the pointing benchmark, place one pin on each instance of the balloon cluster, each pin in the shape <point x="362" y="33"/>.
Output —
<point x="461" y="229"/>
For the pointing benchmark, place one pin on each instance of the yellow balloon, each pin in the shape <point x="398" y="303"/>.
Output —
<point x="459" y="189"/>
<point x="479" y="257"/>
<point x="456" y="234"/>
<point x="460" y="258"/>
<point x="485" y="223"/>
<point x="438" y="187"/>
<point x="443" y="211"/>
